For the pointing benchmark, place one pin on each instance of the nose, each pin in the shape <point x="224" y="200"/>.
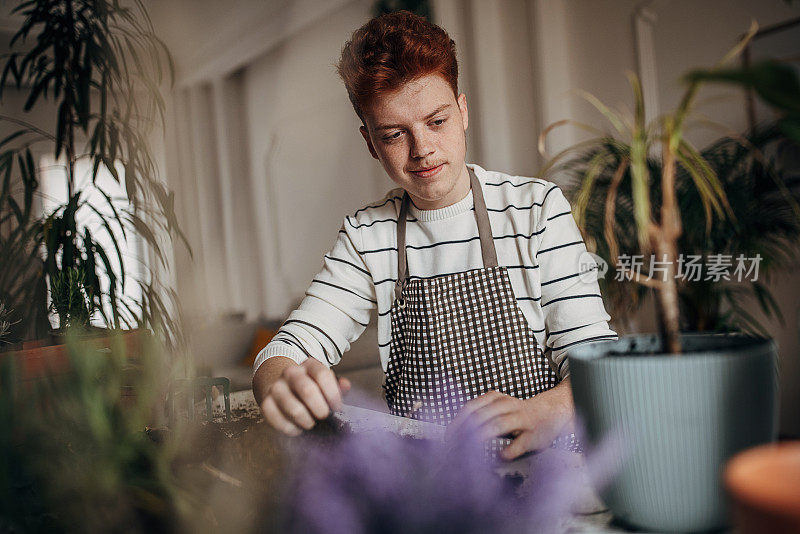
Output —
<point x="421" y="144"/>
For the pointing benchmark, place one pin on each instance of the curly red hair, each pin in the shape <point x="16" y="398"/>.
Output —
<point x="391" y="50"/>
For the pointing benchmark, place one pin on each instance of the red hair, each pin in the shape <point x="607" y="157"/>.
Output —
<point x="391" y="50"/>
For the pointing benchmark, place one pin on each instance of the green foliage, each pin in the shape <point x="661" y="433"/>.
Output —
<point x="5" y="323"/>
<point x="774" y="82"/>
<point x="71" y="299"/>
<point x="74" y="454"/>
<point x="702" y="202"/>
<point x="655" y="213"/>
<point x="101" y="66"/>
<point x="22" y="280"/>
<point x="758" y="191"/>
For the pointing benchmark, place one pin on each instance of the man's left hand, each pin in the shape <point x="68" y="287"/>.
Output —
<point x="533" y="423"/>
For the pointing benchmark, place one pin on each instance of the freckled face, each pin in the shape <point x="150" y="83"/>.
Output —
<point x="418" y="134"/>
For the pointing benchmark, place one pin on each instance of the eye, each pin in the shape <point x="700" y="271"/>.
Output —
<point x="439" y="122"/>
<point x="393" y="136"/>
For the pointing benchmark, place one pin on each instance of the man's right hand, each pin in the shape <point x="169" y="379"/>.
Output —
<point x="294" y="397"/>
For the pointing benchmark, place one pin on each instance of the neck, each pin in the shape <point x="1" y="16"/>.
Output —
<point x="458" y="193"/>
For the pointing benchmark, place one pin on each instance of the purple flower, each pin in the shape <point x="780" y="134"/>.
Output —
<point x="377" y="481"/>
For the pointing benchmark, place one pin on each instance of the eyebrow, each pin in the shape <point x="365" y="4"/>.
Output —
<point x="428" y="116"/>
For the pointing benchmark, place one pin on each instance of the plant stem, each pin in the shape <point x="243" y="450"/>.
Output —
<point x="665" y="238"/>
<point x="667" y="299"/>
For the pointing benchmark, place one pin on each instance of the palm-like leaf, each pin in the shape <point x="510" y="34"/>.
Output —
<point x="756" y="190"/>
<point x="657" y="193"/>
<point x="101" y="65"/>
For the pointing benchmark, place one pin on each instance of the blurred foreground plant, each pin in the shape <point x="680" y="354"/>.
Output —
<point x="74" y="452"/>
<point x="380" y="482"/>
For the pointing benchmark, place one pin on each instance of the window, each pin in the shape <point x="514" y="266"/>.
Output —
<point x="53" y="186"/>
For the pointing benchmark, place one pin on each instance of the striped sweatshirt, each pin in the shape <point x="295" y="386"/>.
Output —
<point x="536" y="239"/>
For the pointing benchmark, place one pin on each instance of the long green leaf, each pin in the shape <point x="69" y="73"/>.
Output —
<point x="594" y="167"/>
<point x="711" y="191"/>
<point x="144" y="230"/>
<point x="112" y="277"/>
<point x="612" y="116"/>
<point x="117" y="217"/>
<point x="13" y="136"/>
<point x="640" y="174"/>
<point x="768" y="303"/>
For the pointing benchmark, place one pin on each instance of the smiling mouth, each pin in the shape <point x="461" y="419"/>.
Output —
<point x="427" y="171"/>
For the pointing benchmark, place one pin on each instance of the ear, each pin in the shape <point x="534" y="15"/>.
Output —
<point x="365" y="135"/>
<point x="462" y="106"/>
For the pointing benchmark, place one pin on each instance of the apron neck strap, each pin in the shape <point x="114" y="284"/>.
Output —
<point x="488" y="251"/>
<point x="402" y="260"/>
<point x="484" y="228"/>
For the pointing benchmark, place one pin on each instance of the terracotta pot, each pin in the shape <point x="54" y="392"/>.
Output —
<point x="764" y="483"/>
<point x="38" y="358"/>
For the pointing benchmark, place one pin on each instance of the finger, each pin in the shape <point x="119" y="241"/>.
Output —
<point x="291" y="407"/>
<point x="483" y="400"/>
<point x="328" y="386"/>
<point x="502" y="425"/>
<point x="525" y="442"/>
<point x="494" y="410"/>
<point x="463" y="423"/>
<point x="307" y="390"/>
<point x="477" y="411"/>
<point x="344" y="385"/>
<point x="312" y="366"/>
<point x="476" y="404"/>
<point x="276" y="419"/>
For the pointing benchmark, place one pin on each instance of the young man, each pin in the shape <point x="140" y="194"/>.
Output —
<point x="473" y="273"/>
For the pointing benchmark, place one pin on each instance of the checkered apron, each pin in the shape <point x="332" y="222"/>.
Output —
<point x="457" y="336"/>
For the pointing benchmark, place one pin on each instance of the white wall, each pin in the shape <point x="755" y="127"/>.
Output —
<point x="235" y="113"/>
<point x="310" y="166"/>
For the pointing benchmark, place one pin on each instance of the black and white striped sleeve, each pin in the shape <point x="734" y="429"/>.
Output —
<point x="335" y="310"/>
<point x="571" y="302"/>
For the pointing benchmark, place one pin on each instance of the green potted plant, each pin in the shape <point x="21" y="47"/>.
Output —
<point x="99" y="65"/>
<point x="760" y="193"/>
<point x="71" y="299"/>
<point x="5" y="323"/>
<point x="681" y="403"/>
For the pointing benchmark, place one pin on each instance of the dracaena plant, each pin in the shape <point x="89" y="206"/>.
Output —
<point x="635" y="186"/>
<point x="99" y="65"/>
<point x="760" y="191"/>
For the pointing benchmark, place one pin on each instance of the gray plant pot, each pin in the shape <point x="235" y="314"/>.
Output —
<point x="679" y="420"/>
